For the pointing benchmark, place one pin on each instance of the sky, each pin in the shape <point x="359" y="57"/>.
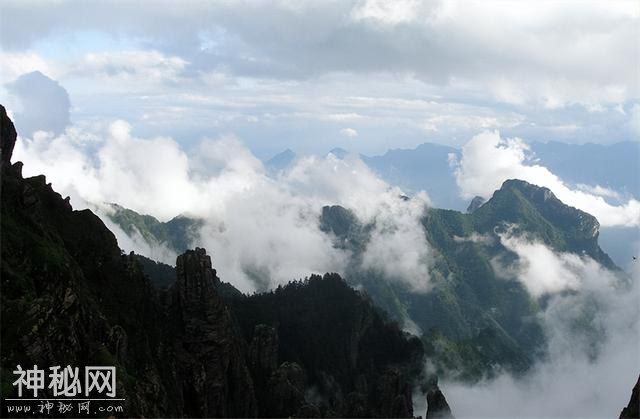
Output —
<point x="365" y="75"/>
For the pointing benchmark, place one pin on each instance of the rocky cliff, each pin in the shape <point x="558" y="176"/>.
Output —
<point x="215" y="380"/>
<point x="69" y="297"/>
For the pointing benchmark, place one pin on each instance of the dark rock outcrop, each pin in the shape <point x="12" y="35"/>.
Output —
<point x="8" y="137"/>
<point x="633" y="408"/>
<point x="215" y="379"/>
<point x="437" y="406"/>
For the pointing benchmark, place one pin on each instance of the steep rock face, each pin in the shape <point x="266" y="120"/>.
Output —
<point x="633" y="408"/>
<point x="70" y="298"/>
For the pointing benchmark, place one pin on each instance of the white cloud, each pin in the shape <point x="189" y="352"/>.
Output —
<point x="463" y="121"/>
<point x="14" y="64"/>
<point x="484" y="239"/>
<point x="387" y="12"/>
<point x="488" y="160"/>
<point x="600" y="191"/>
<point x="543" y="271"/>
<point x="134" y="69"/>
<point x="397" y="247"/>
<point x="545" y="53"/>
<point x="121" y="171"/>
<point x="446" y="68"/>
<point x="349" y="132"/>
<point x="261" y="231"/>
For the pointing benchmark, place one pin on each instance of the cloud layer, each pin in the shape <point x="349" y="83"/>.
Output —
<point x="261" y="230"/>
<point x="402" y="72"/>
<point x="543" y="271"/>
<point x="444" y="42"/>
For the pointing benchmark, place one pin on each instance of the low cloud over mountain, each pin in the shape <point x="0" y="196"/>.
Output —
<point x="488" y="160"/>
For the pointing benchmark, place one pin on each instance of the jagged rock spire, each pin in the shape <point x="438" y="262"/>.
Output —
<point x="216" y="380"/>
<point x="437" y="406"/>
<point x="196" y="277"/>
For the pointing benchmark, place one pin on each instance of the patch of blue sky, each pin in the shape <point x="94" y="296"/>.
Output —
<point x="62" y="46"/>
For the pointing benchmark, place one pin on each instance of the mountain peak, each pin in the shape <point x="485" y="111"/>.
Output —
<point x="280" y="161"/>
<point x="537" y="210"/>
<point x="286" y="153"/>
<point x="546" y="202"/>
<point x="475" y="203"/>
<point x="196" y="277"/>
<point x="340" y="153"/>
<point x="529" y="188"/>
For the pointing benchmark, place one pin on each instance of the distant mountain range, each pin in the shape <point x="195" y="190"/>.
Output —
<point x="426" y="167"/>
